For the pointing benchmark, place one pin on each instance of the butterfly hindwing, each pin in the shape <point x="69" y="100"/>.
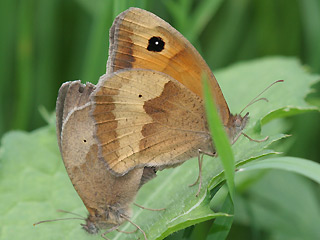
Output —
<point x="146" y="118"/>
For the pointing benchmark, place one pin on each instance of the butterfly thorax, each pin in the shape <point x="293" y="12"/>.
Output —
<point x="235" y="125"/>
<point x="104" y="219"/>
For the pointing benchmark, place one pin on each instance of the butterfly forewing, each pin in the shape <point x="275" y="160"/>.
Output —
<point x="140" y="39"/>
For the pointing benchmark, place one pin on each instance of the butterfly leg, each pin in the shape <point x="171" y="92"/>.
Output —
<point x="126" y="231"/>
<point x="251" y="139"/>
<point x="200" y="160"/>
<point x="128" y="219"/>
<point x="255" y="140"/>
<point x="109" y="231"/>
<point x="150" y="209"/>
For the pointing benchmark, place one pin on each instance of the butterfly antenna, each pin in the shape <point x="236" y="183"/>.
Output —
<point x="150" y="209"/>
<point x="256" y="99"/>
<point x="75" y="214"/>
<point x="58" y="219"/>
<point x="62" y="219"/>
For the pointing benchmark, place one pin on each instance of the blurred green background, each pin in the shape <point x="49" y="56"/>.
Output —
<point x="47" y="42"/>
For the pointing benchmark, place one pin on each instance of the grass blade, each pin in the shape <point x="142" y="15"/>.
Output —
<point x="25" y="65"/>
<point x="221" y="141"/>
<point x="204" y="11"/>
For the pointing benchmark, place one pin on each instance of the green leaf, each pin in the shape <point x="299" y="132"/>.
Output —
<point x="251" y="153"/>
<point x="34" y="184"/>
<point x="200" y="212"/>
<point x="243" y="81"/>
<point x="282" y="204"/>
<point x="285" y="99"/>
<point x="301" y="166"/>
<point x="221" y="227"/>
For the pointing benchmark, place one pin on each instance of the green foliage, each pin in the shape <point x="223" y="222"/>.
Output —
<point x="34" y="182"/>
<point x="304" y="167"/>
<point x="45" y="43"/>
<point x="282" y="205"/>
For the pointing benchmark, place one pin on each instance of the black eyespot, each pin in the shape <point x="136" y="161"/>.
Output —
<point x="140" y="96"/>
<point x="84" y="140"/>
<point x="156" y="44"/>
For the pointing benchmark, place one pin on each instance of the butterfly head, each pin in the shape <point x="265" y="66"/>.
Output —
<point x="236" y="124"/>
<point x="90" y="226"/>
<point x="105" y="219"/>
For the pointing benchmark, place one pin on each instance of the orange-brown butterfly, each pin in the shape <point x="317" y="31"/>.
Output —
<point x="148" y="108"/>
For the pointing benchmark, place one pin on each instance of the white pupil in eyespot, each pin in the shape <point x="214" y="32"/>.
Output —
<point x="156" y="43"/>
